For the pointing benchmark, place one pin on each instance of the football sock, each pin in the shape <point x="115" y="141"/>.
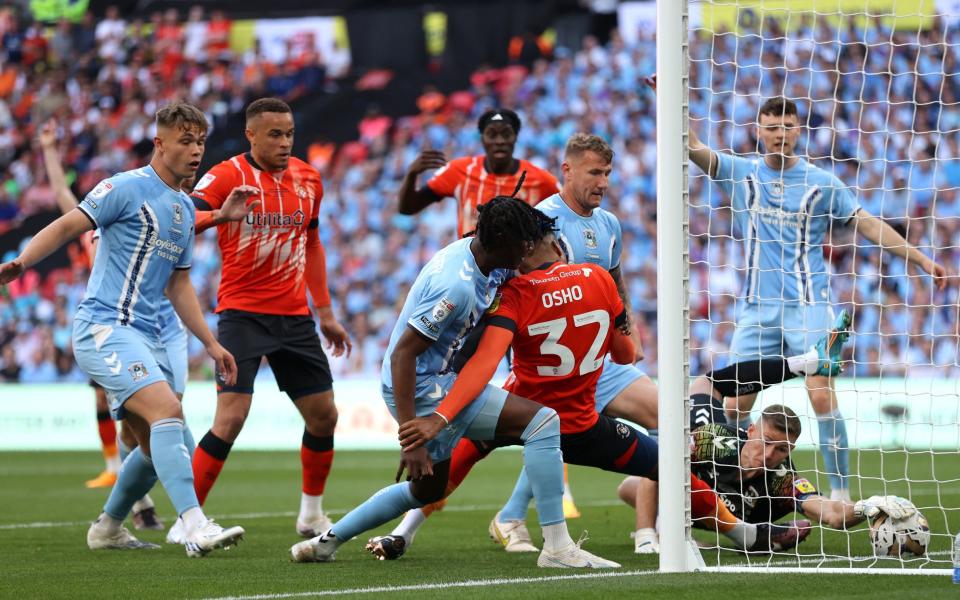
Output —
<point x="172" y="462"/>
<point x="743" y="534"/>
<point x="188" y="440"/>
<point x="108" y="440"/>
<point x="311" y="508"/>
<point x="407" y="529"/>
<point x="543" y="465"/>
<point x="834" y="448"/>
<point x="750" y="376"/>
<point x="516" y="507"/>
<point x="193" y="518"/>
<point x="556" y="536"/>
<point x="316" y="458"/>
<point x="136" y="477"/>
<point x="208" y="461"/>
<point x="109" y="523"/>
<point x="387" y="504"/>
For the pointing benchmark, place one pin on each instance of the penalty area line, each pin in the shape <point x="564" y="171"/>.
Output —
<point x="418" y="587"/>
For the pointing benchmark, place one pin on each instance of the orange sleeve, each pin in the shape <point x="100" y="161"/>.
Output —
<point x="622" y="348"/>
<point x="213" y="188"/>
<point x="477" y="372"/>
<point x="446" y="179"/>
<point x="316" y="270"/>
<point x="203" y="220"/>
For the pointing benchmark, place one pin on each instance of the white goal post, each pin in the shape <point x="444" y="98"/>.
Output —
<point x="888" y="129"/>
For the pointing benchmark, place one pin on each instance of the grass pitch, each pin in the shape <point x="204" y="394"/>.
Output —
<point x="46" y="512"/>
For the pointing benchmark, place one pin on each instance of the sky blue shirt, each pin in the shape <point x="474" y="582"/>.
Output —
<point x="784" y="219"/>
<point x="146" y="231"/>
<point x="595" y="239"/>
<point x="447" y="299"/>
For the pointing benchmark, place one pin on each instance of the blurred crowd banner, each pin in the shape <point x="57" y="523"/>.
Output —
<point x="920" y="414"/>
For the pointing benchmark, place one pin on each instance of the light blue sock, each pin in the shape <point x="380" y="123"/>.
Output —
<point x="172" y="462"/>
<point x="543" y="465"/>
<point x="137" y="476"/>
<point x="188" y="440"/>
<point x="516" y="507"/>
<point x="835" y="448"/>
<point x="386" y="505"/>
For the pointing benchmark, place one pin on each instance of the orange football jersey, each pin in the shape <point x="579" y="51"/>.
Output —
<point x="469" y="182"/>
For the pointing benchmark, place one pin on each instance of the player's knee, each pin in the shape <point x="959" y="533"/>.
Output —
<point x="821" y="399"/>
<point x="229" y="424"/>
<point x="627" y="490"/>
<point x="543" y="425"/>
<point x="428" y="491"/>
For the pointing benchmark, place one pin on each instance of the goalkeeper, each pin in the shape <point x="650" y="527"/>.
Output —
<point x="751" y="471"/>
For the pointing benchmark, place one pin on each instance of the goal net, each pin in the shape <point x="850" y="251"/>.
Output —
<point x="778" y="247"/>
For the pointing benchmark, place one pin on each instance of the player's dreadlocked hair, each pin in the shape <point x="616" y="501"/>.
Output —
<point x="504" y="220"/>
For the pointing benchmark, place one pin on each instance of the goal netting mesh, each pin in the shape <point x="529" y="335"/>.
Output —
<point x="877" y="84"/>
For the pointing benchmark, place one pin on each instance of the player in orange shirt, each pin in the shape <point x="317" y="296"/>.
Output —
<point x="473" y="180"/>
<point x="269" y="262"/>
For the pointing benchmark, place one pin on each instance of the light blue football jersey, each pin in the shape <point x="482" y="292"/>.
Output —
<point x="146" y="231"/>
<point x="595" y="239"/>
<point x="447" y="299"/>
<point x="783" y="218"/>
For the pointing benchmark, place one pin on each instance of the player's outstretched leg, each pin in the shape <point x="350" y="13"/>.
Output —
<point x="834" y="443"/>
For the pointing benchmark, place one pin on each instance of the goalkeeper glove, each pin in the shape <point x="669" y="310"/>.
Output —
<point x="894" y="506"/>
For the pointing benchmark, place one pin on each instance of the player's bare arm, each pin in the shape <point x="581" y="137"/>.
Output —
<point x="184" y="300"/>
<point x="410" y="199"/>
<point x="701" y="154"/>
<point x="51" y="161"/>
<point x="51" y="237"/>
<point x="881" y="233"/>
<point x="630" y="327"/>
<point x="403" y="365"/>
<point x="338" y="340"/>
<point x="838" y="514"/>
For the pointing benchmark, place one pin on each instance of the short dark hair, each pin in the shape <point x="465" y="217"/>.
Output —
<point x="498" y="115"/>
<point x="579" y="143"/>
<point x="778" y="106"/>
<point x="782" y="419"/>
<point x="265" y="105"/>
<point x="504" y="220"/>
<point x="181" y="115"/>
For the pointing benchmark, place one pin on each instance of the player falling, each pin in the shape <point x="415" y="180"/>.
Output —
<point x="448" y="297"/>
<point x="269" y="261"/>
<point x="146" y="226"/>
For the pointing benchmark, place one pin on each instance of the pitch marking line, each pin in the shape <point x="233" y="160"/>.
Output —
<point x="417" y="587"/>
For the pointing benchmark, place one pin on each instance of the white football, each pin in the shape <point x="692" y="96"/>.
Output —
<point x="897" y="538"/>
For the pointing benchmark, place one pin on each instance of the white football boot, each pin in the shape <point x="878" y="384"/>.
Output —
<point x="512" y="535"/>
<point x="322" y="548"/>
<point x="645" y="541"/>
<point x="573" y="557"/>
<point x="310" y="529"/>
<point x="101" y="537"/>
<point x="210" y="536"/>
<point x="177" y="534"/>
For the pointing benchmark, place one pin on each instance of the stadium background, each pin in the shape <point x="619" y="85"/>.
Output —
<point x="372" y="83"/>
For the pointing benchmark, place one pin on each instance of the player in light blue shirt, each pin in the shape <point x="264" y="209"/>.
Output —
<point x="146" y="228"/>
<point x="451" y="292"/>
<point x="784" y="206"/>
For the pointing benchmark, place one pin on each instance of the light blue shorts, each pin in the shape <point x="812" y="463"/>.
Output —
<point x="478" y="421"/>
<point x="613" y="380"/>
<point x="174" y="339"/>
<point x="771" y="330"/>
<point x="120" y="359"/>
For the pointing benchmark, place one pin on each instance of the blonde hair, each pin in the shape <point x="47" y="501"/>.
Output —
<point x="579" y="143"/>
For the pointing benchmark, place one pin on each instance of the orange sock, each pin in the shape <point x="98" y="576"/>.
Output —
<point x="707" y="509"/>
<point x="108" y="434"/>
<point x="208" y="461"/>
<point x="465" y="455"/>
<point x="316" y="457"/>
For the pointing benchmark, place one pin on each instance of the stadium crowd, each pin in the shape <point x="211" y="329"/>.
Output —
<point x="883" y="134"/>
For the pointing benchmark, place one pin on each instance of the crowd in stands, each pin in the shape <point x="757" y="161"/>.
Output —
<point x="891" y="137"/>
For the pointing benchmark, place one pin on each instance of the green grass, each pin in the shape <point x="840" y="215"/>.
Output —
<point x="261" y="492"/>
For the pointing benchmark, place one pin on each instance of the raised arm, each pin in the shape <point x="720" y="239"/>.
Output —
<point x="51" y="237"/>
<point x="879" y="232"/>
<point x="699" y="153"/>
<point x="51" y="161"/>
<point x="411" y="200"/>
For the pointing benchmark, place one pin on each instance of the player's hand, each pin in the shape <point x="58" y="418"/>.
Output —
<point x="416" y="462"/>
<point x="427" y="160"/>
<point x="417" y="432"/>
<point x="226" y="365"/>
<point x="235" y="207"/>
<point x="337" y="337"/>
<point x="894" y="506"/>
<point x="48" y="134"/>
<point x="10" y="271"/>
<point x="651" y="81"/>
<point x="939" y="273"/>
